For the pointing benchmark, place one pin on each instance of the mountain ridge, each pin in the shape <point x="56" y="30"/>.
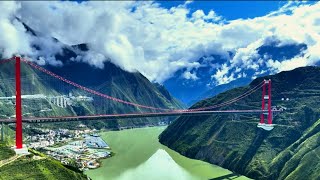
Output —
<point x="240" y="146"/>
<point x="110" y="80"/>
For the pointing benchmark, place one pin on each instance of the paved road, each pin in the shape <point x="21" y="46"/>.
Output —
<point x="10" y="160"/>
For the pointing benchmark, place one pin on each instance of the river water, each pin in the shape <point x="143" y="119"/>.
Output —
<point x="140" y="156"/>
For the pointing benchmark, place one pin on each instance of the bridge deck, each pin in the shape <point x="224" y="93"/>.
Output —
<point x="132" y="115"/>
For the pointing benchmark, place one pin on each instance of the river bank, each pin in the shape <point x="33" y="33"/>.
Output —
<point x="139" y="155"/>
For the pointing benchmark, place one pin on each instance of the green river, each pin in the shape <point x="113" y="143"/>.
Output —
<point x="140" y="156"/>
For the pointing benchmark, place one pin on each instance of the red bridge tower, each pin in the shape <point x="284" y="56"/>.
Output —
<point x="262" y="124"/>
<point x="20" y="148"/>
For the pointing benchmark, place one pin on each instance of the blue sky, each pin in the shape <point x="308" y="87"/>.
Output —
<point x="195" y="44"/>
<point x="231" y="10"/>
<point x="159" y="42"/>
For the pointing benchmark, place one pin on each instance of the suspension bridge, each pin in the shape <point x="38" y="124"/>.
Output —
<point x="19" y="118"/>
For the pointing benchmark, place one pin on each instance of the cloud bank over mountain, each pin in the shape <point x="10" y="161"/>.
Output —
<point x="145" y="37"/>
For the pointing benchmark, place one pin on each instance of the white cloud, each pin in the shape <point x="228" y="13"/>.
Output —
<point x="287" y="65"/>
<point x="300" y="26"/>
<point x="156" y="41"/>
<point x="13" y="38"/>
<point x="189" y="75"/>
<point x="222" y="76"/>
<point x="199" y="15"/>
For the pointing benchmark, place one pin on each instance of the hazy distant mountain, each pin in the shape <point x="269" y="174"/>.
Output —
<point x="192" y="90"/>
<point x="221" y="88"/>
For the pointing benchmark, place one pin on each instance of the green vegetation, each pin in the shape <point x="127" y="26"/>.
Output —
<point x="111" y="80"/>
<point x="289" y="151"/>
<point x="26" y="168"/>
<point x="302" y="158"/>
<point x="35" y="166"/>
<point x="37" y="153"/>
<point x="5" y="151"/>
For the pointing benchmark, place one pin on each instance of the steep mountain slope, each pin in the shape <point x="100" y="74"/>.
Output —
<point x="287" y="152"/>
<point x="110" y="80"/>
<point x="38" y="169"/>
<point x="301" y="159"/>
<point x="6" y="152"/>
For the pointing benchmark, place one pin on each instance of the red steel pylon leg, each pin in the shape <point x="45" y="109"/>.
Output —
<point x="263" y="103"/>
<point x="269" y="104"/>
<point x="18" y="105"/>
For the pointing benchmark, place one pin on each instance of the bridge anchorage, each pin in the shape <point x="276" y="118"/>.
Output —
<point x="63" y="101"/>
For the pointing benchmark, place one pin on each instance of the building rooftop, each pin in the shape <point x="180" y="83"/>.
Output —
<point x="95" y="141"/>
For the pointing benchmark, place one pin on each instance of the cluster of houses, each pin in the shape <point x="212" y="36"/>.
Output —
<point x="49" y="137"/>
<point x="79" y="148"/>
<point x="77" y="154"/>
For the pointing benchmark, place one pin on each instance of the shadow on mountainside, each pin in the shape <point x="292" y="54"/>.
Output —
<point x="227" y="177"/>
<point x="252" y="150"/>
